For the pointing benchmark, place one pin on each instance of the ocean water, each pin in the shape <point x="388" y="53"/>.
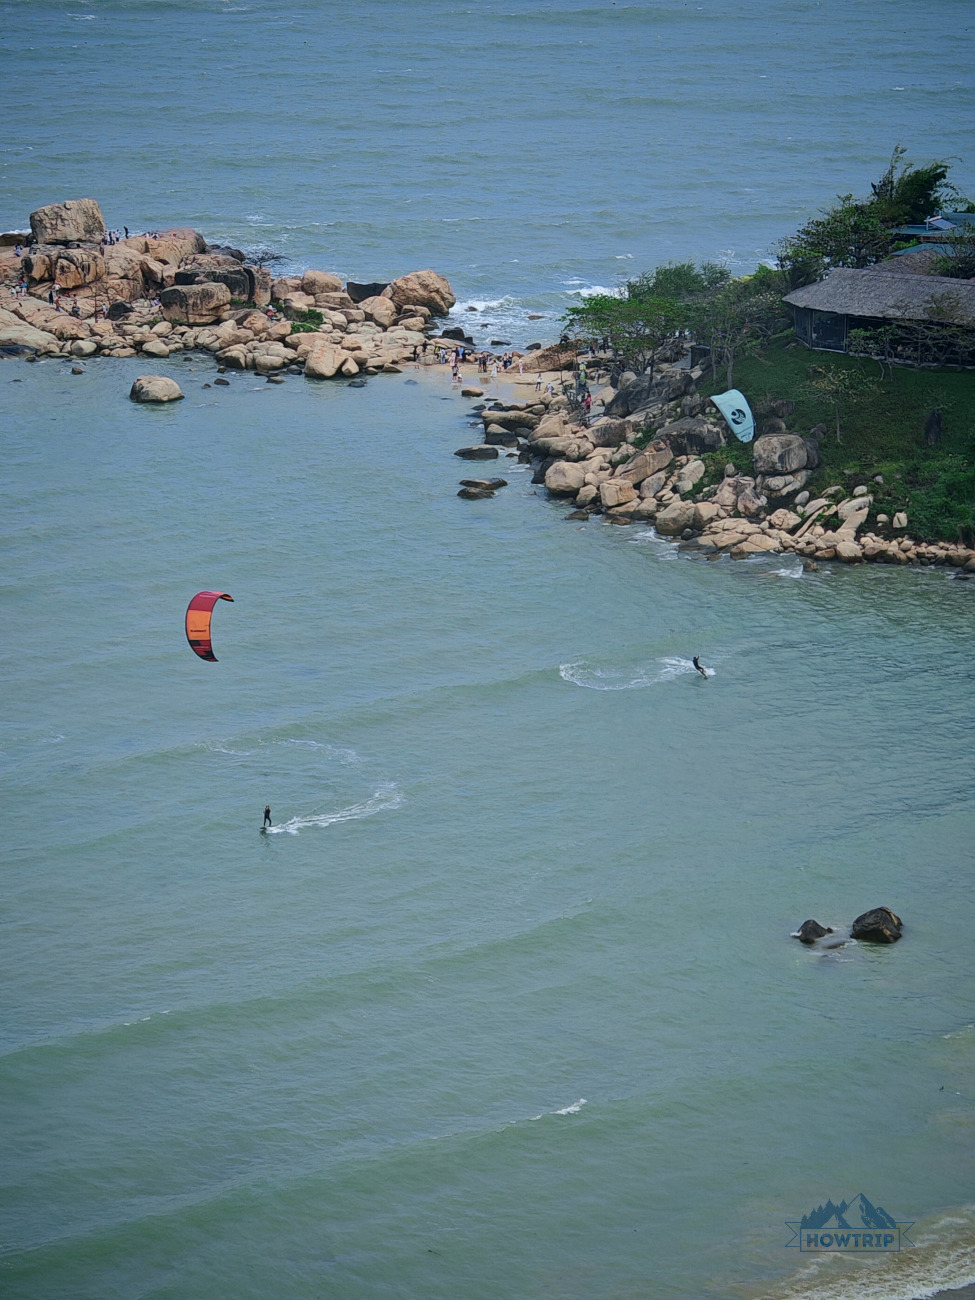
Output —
<point x="506" y="1005"/>
<point x="529" y="149"/>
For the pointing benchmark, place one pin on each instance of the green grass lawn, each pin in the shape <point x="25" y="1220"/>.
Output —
<point x="882" y="432"/>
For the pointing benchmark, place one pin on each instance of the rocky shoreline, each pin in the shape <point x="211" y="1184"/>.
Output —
<point x="645" y="456"/>
<point x="70" y="288"/>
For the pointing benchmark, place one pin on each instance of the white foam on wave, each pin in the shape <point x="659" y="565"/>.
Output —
<point x="593" y="291"/>
<point x="340" y="753"/>
<point x="964" y="1032"/>
<point x="594" y="677"/>
<point x="385" y="799"/>
<point x="791" y="571"/>
<point x="941" y="1260"/>
<point x="574" y="1109"/>
<point x="484" y="304"/>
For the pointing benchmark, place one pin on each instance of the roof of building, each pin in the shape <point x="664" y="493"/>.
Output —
<point x="922" y="259"/>
<point x="890" y="295"/>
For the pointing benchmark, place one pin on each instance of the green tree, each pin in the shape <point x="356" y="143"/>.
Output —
<point x="839" y="388"/>
<point x="860" y="232"/>
<point x="637" y="326"/>
<point x="908" y="194"/>
<point x="741" y="314"/>
<point x="959" y="261"/>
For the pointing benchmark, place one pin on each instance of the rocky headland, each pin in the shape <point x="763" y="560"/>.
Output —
<point x="70" y="288"/>
<point x="654" y="451"/>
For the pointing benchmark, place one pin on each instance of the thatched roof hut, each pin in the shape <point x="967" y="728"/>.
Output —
<point x="848" y="299"/>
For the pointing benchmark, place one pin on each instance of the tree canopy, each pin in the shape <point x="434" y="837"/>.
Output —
<point x="859" y="232"/>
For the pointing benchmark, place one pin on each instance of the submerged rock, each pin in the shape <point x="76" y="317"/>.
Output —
<point x="477" y="453"/>
<point x="491" y="484"/>
<point x="475" y="493"/>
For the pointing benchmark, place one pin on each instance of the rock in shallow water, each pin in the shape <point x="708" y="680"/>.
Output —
<point x="810" y="931"/>
<point x="155" y="388"/>
<point x="477" y="453"/>
<point x="879" y="925"/>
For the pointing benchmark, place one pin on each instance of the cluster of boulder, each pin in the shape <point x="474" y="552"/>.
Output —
<point x="171" y="291"/>
<point x="879" y="925"/>
<point x="641" y="460"/>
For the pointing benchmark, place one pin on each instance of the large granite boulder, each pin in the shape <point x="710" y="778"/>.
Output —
<point x="284" y="286"/>
<point x="324" y="361"/>
<point x="630" y="397"/>
<point x="689" y="477"/>
<point x="672" y="521"/>
<point x="155" y="388"/>
<point x="17" y="333"/>
<point x="79" y="221"/>
<point x="782" y="453"/>
<point x="380" y="310"/>
<point x="879" y="925"/>
<point x="646" y="463"/>
<point x="175" y="245"/>
<point x="261" y="295"/>
<point x="692" y="435"/>
<point x="606" y="432"/>
<point x="613" y="492"/>
<point x="248" y="283"/>
<point x="77" y="266"/>
<point x="123" y="260"/>
<point x="425" y="288"/>
<point x="194" y="304"/>
<point x="510" y="419"/>
<point x="565" y="477"/>
<point x="316" y="282"/>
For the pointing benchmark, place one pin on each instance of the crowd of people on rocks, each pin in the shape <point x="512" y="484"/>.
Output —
<point x="116" y="236"/>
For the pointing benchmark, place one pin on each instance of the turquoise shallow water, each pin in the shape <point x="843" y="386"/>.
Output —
<point x="509" y="1006"/>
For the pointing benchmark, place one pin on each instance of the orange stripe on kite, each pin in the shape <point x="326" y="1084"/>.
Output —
<point x="198" y="613"/>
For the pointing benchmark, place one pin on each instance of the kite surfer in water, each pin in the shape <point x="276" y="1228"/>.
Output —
<point x="267" y="814"/>
<point x="702" y="670"/>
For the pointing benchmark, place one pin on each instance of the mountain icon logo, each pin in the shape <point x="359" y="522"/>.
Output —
<point x="854" y="1226"/>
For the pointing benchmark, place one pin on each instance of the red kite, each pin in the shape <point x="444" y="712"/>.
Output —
<point x="198" y="613"/>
